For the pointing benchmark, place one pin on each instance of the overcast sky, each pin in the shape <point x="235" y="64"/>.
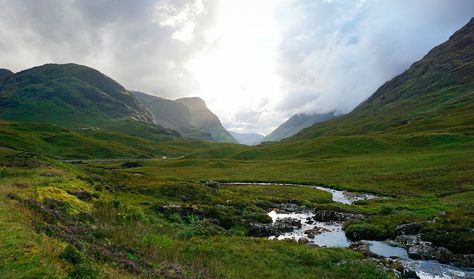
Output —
<point x="255" y="62"/>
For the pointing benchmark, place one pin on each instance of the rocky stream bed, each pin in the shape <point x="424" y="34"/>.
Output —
<point x="407" y="255"/>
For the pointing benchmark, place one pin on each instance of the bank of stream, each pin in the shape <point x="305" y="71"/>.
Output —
<point x="306" y="226"/>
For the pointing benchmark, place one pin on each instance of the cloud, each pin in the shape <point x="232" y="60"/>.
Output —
<point x="340" y="52"/>
<point x="254" y="62"/>
<point x="143" y="44"/>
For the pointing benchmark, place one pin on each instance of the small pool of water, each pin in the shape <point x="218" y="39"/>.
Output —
<point x="383" y="249"/>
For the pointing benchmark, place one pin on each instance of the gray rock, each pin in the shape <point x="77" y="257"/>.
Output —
<point x="332" y="215"/>
<point x="303" y="240"/>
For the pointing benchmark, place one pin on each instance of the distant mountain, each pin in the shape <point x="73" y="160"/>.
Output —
<point x="189" y="116"/>
<point x="73" y="96"/>
<point x="295" y="124"/>
<point x="434" y="94"/>
<point x="247" y="138"/>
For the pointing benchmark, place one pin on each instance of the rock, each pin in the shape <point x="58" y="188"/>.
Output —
<point x="212" y="184"/>
<point x="83" y="195"/>
<point x="408" y="240"/>
<point x="332" y="215"/>
<point x="303" y="240"/>
<point x="281" y="226"/>
<point x="311" y="233"/>
<point x="423" y="250"/>
<point x="291" y="208"/>
<point x="363" y="247"/>
<point x="288" y="222"/>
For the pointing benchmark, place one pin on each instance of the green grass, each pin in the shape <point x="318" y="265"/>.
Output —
<point x="128" y="218"/>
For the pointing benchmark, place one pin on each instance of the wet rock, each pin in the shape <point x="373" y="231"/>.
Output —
<point x="288" y="222"/>
<point x="332" y="215"/>
<point x="408" y="240"/>
<point x="424" y="250"/>
<point x="281" y="226"/>
<point x="311" y="233"/>
<point x="363" y="247"/>
<point x="303" y="240"/>
<point x="408" y="274"/>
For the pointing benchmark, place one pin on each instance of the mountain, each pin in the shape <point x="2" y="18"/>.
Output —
<point x="189" y="116"/>
<point x="74" y="97"/>
<point x="4" y="73"/>
<point x="295" y="124"/>
<point x="247" y="138"/>
<point x="435" y="94"/>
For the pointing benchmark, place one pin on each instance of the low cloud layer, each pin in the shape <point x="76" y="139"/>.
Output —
<point x="255" y="62"/>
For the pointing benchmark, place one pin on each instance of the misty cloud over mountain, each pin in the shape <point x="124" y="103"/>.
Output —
<point x="318" y="56"/>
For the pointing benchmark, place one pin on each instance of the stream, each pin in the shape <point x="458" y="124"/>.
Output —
<point x="331" y="234"/>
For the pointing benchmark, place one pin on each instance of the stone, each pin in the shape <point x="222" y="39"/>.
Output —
<point x="332" y="215"/>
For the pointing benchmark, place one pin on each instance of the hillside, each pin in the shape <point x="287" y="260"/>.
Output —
<point x="435" y="94"/>
<point x="189" y="116"/>
<point x="206" y="120"/>
<point x="172" y="115"/>
<point x="4" y="73"/>
<point x="295" y="124"/>
<point x="68" y="95"/>
<point x="247" y="138"/>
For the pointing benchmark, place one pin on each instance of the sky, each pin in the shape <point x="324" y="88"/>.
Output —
<point x="254" y="62"/>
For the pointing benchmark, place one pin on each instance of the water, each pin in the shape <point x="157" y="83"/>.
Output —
<point x="337" y="195"/>
<point x="333" y="235"/>
<point x="336" y="237"/>
<point x="383" y="249"/>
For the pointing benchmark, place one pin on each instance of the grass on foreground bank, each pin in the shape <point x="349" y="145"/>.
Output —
<point x="87" y="226"/>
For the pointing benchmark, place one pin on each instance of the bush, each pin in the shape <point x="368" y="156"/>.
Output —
<point x="71" y="255"/>
<point x="366" y="231"/>
<point x="85" y="271"/>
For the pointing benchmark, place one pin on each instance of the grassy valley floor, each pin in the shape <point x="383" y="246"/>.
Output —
<point x="159" y="218"/>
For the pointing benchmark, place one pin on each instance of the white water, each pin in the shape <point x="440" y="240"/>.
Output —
<point x="335" y="237"/>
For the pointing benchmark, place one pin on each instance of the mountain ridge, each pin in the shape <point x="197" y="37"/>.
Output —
<point x="435" y="93"/>
<point x="74" y="96"/>
<point x="295" y="124"/>
<point x="189" y="116"/>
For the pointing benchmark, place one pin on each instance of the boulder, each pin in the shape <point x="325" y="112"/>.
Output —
<point x="281" y="226"/>
<point x="303" y="240"/>
<point x="332" y="215"/>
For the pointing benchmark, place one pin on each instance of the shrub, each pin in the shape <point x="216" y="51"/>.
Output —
<point x="71" y="254"/>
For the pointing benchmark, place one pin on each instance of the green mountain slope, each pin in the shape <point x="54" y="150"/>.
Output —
<point x="172" y="115"/>
<point x="434" y="94"/>
<point x="68" y="95"/>
<point x="295" y="124"/>
<point x="4" y="73"/>
<point x="206" y="120"/>
<point x="189" y="116"/>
